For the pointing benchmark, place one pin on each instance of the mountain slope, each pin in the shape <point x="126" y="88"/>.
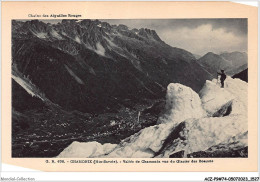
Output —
<point x="243" y="75"/>
<point x="92" y="66"/>
<point x="232" y="63"/>
<point x="213" y="63"/>
<point x="236" y="58"/>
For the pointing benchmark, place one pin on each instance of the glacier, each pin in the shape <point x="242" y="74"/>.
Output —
<point x="213" y="120"/>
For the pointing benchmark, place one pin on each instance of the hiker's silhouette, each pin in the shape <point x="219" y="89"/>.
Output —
<point x="223" y="76"/>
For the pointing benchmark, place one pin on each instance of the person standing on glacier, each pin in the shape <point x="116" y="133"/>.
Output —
<point x="223" y="76"/>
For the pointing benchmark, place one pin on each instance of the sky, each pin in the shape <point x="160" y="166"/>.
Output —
<point x="198" y="36"/>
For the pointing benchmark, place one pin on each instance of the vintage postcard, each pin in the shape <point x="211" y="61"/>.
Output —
<point x="129" y="86"/>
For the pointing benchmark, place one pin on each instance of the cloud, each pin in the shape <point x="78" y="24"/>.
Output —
<point x="205" y="38"/>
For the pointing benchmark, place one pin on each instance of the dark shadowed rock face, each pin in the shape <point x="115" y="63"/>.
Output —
<point x="23" y="101"/>
<point x="223" y="152"/>
<point x="243" y="75"/>
<point x="92" y="66"/>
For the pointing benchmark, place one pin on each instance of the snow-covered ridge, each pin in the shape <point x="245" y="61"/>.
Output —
<point x="190" y="123"/>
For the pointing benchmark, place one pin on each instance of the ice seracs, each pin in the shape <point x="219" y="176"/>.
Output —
<point x="181" y="103"/>
<point x="189" y="124"/>
<point x="195" y="135"/>
<point x="146" y="143"/>
<point x="213" y="97"/>
<point x="89" y="149"/>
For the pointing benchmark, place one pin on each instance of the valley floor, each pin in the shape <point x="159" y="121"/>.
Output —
<point x="45" y="133"/>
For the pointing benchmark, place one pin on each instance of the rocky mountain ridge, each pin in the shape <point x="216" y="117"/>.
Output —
<point x="79" y="64"/>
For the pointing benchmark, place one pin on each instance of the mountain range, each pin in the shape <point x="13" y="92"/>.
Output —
<point x="92" y="66"/>
<point x="87" y="80"/>
<point x="232" y="63"/>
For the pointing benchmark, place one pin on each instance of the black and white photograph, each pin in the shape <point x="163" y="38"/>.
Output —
<point x="130" y="88"/>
